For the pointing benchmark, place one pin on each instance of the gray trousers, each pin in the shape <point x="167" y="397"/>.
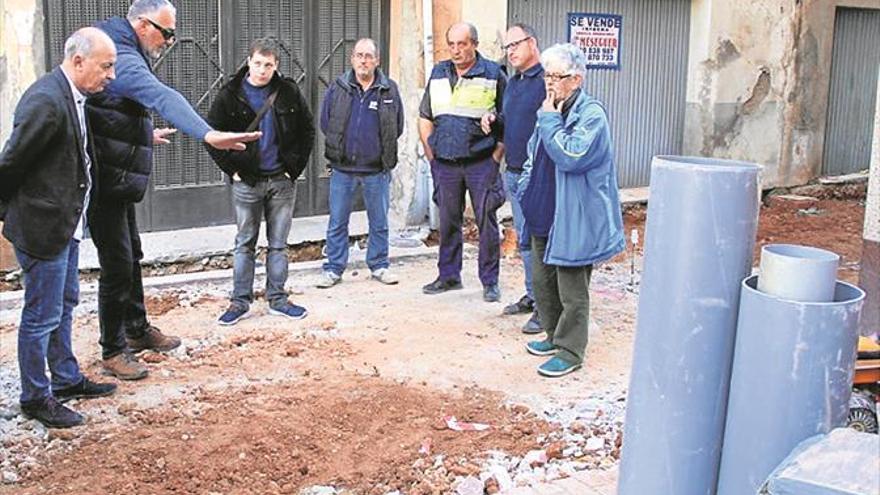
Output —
<point x="563" y="299"/>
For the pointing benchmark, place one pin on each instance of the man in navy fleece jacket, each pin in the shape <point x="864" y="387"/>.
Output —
<point x="124" y="139"/>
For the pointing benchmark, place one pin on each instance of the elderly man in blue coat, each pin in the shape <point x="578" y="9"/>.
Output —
<point x="568" y="193"/>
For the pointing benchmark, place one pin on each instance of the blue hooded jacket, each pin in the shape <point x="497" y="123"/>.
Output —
<point x="587" y="222"/>
<point x="120" y="120"/>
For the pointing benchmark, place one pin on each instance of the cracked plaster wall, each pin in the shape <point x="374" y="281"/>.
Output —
<point x="758" y="78"/>
<point x="21" y="63"/>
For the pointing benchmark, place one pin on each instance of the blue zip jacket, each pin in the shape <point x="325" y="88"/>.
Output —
<point x="136" y="81"/>
<point x="587" y="223"/>
<point x="122" y="127"/>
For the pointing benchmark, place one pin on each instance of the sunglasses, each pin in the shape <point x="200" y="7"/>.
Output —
<point x="167" y="34"/>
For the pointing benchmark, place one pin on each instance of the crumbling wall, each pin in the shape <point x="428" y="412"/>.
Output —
<point x="410" y="194"/>
<point x="759" y="73"/>
<point x="21" y="63"/>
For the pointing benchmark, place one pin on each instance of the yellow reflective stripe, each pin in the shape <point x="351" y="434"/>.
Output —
<point x="441" y="95"/>
<point x="471" y="98"/>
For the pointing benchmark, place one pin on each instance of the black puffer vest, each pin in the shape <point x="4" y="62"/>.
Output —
<point x="122" y="131"/>
<point x="389" y="107"/>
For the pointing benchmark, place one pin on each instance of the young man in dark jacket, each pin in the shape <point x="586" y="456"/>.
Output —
<point x="264" y="175"/>
<point x="361" y="118"/>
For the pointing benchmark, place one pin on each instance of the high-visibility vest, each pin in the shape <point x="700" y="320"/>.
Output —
<point x="457" y="110"/>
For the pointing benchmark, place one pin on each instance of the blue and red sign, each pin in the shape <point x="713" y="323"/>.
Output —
<point x="599" y="36"/>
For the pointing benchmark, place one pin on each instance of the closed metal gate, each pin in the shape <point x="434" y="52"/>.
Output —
<point x="186" y="188"/>
<point x="854" y="62"/>
<point x="646" y="97"/>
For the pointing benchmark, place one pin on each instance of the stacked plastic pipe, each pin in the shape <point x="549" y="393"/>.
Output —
<point x="780" y="346"/>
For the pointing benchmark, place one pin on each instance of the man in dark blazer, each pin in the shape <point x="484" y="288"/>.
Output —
<point x="46" y="181"/>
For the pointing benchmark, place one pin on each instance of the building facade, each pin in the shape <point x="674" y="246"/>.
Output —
<point x="789" y="84"/>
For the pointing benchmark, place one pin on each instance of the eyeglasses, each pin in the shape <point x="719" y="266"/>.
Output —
<point x="513" y="44"/>
<point x="363" y="56"/>
<point x="167" y="33"/>
<point x="556" y="77"/>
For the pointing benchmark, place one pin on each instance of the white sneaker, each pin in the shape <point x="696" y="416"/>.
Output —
<point x="328" y="279"/>
<point x="385" y="276"/>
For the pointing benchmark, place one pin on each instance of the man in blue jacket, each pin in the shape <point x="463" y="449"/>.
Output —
<point x="361" y="118"/>
<point x="463" y="159"/>
<point x="522" y="99"/>
<point x="568" y="192"/>
<point x="124" y="137"/>
<point x="46" y="176"/>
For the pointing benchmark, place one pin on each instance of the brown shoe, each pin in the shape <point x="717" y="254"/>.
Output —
<point x="153" y="340"/>
<point x="125" y="367"/>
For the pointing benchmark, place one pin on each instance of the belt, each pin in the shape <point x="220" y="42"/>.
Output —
<point x="261" y="178"/>
<point x="462" y="161"/>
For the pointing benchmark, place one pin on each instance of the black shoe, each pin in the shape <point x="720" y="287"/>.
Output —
<point x="491" y="293"/>
<point x="525" y="305"/>
<point x="86" y="389"/>
<point x="438" y="286"/>
<point x="533" y="326"/>
<point x="51" y="413"/>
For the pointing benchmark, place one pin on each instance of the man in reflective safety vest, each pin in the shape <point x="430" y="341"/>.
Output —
<point x="463" y="158"/>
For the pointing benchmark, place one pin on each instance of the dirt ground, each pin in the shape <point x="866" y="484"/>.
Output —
<point x="357" y="395"/>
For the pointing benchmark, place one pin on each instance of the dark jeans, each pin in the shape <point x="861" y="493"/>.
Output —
<point x="375" y="191"/>
<point x="121" y="309"/>
<point x="562" y="294"/>
<point x="273" y="198"/>
<point x="51" y="291"/>
<point x="482" y="180"/>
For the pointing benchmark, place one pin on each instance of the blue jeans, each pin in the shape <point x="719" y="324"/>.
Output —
<point x="51" y="291"/>
<point x="273" y="199"/>
<point x="511" y="186"/>
<point x="375" y="188"/>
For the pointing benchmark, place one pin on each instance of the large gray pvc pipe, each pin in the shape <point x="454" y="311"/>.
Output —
<point x="800" y="273"/>
<point x="702" y="219"/>
<point x="792" y="378"/>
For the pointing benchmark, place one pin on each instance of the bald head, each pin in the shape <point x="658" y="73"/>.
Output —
<point x="85" y="40"/>
<point x="461" y="38"/>
<point x="89" y="59"/>
<point x="463" y="29"/>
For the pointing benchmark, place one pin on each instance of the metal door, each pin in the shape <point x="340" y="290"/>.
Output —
<point x="853" y="91"/>
<point x="329" y="40"/>
<point x="186" y="188"/>
<point x="646" y="97"/>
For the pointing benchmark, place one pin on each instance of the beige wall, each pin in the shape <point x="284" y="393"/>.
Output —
<point x="758" y="79"/>
<point x="21" y="63"/>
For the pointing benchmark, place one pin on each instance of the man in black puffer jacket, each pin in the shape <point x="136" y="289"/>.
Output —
<point x="264" y="175"/>
<point x="124" y="137"/>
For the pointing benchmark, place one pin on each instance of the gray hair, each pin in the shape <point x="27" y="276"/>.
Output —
<point x="140" y="8"/>
<point x="373" y="42"/>
<point x="83" y="41"/>
<point x="567" y="55"/>
<point x="472" y="31"/>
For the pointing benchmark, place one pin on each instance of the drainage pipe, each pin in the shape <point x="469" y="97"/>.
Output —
<point x="792" y="378"/>
<point x="799" y="273"/>
<point x="702" y="220"/>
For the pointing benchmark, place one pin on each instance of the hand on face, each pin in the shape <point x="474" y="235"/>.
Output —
<point x="551" y="104"/>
